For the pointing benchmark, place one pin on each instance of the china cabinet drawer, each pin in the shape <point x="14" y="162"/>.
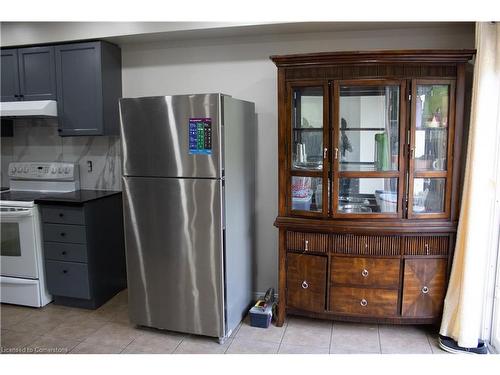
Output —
<point x="366" y="245"/>
<point x="425" y="245"/>
<point x="307" y="242"/>
<point x="365" y="271"/>
<point x="65" y="251"/>
<point x="63" y="215"/>
<point x="306" y="282"/>
<point x="64" y="233"/>
<point x="359" y="301"/>
<point x="424" y="287"/>
<point x="67" y="279"/>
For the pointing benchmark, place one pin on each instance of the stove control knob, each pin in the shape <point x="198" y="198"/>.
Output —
<point x="13" y="170"/>
<point x="26" y="169"/>
<point x="66" y="170"/>
<point x="59" y="170"/>
<point x="53" y="171"/>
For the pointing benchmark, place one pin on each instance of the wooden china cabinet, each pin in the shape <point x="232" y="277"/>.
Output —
<point x="371" y="157"/>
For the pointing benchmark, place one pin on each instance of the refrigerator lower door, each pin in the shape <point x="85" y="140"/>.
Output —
<point x="174" y="246"/>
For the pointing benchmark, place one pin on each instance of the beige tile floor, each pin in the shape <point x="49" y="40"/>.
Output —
<point x="58" y="329"/>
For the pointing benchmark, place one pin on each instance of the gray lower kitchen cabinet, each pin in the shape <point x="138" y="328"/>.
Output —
<point x="28" y="74"/>
<point x="89" y="86"/>
<point x="84" y="251"/>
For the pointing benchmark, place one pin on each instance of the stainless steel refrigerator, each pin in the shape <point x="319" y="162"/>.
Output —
<point x="188" y="177"/>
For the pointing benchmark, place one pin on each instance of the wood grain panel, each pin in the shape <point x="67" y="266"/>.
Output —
<point x="366" y="245"/>
<point x="360" y="301"/>
<point x="389" y="57"/>
<point x="306" y="282"/>
<point x="424" y="287"/>
<point x="426" y="245"/>
<point x="370" y="71"/>
<point x="308" y="242"/>
<point x="383" y="273"/>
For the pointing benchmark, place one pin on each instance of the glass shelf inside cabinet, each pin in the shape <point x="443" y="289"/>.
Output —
<point x="431" y="127"/>
<point x="307" y="128"/>
<point x="368" y="128"/>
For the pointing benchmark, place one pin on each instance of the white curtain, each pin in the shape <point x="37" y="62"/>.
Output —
<point x="462" y="315"/>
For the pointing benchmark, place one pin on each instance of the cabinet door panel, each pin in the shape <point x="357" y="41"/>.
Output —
<point x="306" y="282"/>
<point x="37" y="73"/>
<point x="368" y="138"/>
<point x="9" y="75"/>
<point x="308" y="121"/>
<point x="79" y="89"/>
<point x="424" y="287"/>
<point x="431" y="146"/>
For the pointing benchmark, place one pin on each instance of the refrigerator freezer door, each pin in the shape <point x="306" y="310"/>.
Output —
<point x="173" y="233"/>
<point x="171" y="136"/>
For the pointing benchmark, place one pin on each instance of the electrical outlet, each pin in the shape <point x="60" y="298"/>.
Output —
<point x="89" y="166"/>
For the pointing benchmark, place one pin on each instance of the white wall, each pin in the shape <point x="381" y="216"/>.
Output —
<point x="241" y="67"/>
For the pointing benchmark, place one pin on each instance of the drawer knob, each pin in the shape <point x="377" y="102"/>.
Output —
<point x="425" y="290"/>
<point x="61" y="215"/>
<point x="363" y="302"/>
<point x="426" y="247"/>
<point x="65" y="271"/>
<point x="63" y="234"/>
<point x="306" y="245"/>
<point x="305" y="285"/>
<point x="364" y="273"/>
<point x="63" y="252"/>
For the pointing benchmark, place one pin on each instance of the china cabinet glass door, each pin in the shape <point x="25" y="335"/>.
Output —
<point x="367" y="148"/>
<point x="308" y="114"/>
<point x="430" y="148"/>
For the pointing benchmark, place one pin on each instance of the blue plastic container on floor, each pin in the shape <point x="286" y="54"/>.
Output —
<point x="261" y="316"/>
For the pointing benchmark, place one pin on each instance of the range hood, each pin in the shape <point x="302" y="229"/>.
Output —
<point x="35" y="108"/>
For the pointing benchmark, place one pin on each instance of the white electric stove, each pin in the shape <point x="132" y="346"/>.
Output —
<point x="22" y="274"/>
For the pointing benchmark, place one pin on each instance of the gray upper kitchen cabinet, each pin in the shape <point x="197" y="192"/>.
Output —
<point x="28" y="74"/>
<point x="10" y="75"/>
<point x="89" y="86"/>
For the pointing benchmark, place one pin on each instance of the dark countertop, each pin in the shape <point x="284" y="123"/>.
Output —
<point x="77" y="197"/>
<point x="74" y="197"/>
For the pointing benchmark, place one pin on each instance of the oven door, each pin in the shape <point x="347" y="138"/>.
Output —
<point x="18" y="242"/>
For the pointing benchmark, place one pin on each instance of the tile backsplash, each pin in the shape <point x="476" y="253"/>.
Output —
<point x="38" y="140"/>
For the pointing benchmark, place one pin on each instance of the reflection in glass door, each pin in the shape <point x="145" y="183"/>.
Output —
<point x="307" y="128"/>
<point x="308" y="176"/>
<point x="430" y="149"/>
<point x="368" y="148"/>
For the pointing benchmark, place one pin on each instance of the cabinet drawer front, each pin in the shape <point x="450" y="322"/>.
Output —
<point x="307" y="242"/>
<point x="64" y="233"/>
<point x="65" y="251"/>
<point x="359" y="301"/>
<point x="366" y="245"/>
<point x="67" y="279"/>
<point x="426" y="245"/>
<point x="306" y="282"/>
<point x="424" y="287"/>
<point x="63" y="215"/>
<point x="365" y="271"/>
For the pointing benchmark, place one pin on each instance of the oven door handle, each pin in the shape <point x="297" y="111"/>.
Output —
<point x="16" y="214"/>
<point x="17" y="281"/>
